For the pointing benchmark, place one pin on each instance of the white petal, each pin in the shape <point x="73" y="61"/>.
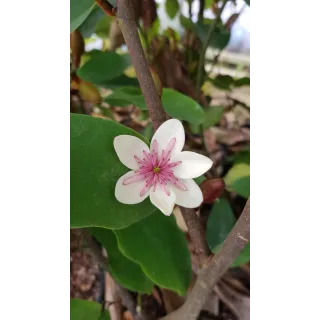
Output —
<point x="170" y="129"/>
<point x="127" y="147"/>
<point x="130" y="193"/>
<point x="163" y="202"/>
<point x="192" y="198"/>
<point x="193" y="165"/>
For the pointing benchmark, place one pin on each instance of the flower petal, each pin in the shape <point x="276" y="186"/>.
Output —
<point x="127" y="147"/>
<point x="192" y="198"/>
<point x="130" y="193"/>
<point x="163" y="202"/>
<point x="193" y="165"/>
<point x="170" y="129"/>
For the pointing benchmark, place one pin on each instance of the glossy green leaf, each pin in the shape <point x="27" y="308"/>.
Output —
<point x="172" y="7"/>
<point x="220" y="223"/>
<point x="243" y="258"/>
<point x="95" y="169"/>
<point x="159" y="246"/>
<point x="242" y="186"/>
<point x="102" y="66"/>
<point x="79" y="11"/>
<point x="213" y="116"/>
<point x="125" y="271"/>
<point x="87" y="310"/>
<point x="181" y="107"/>
<point x="87" y="28"/>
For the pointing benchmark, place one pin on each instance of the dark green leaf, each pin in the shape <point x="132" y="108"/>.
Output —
<point x="220" y="223"/>
<point x="148" y="131"/>
<point x="158" y="245"/>
<point x="213" y="116"/>
<point x="120" y="81"/>
<point x="243" y="258"/>
<point x="102" y="66"/>
<point x="125" y="271"/>
<point x="199" y="179"/>
<point x="242" y="186"/>
<point x="181" y="107"/>
<point x="186" y="22"/>
<point x="79" y="11"/>
<point x="132" y="95"/>
<point x="245" y="81"/>
<point x="223" y="82"/>
<point x="95" y="169"/>
<point x="87" y="310"/>
<point x="87" y="28"/>
<point x="247" y="2"/>
<point x="172" y="7"/>
<point x="242" y="157"/>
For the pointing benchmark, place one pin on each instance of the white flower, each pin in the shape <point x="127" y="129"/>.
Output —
<point x="165" y="173"/>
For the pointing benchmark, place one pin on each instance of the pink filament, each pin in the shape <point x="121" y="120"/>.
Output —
<point x="160" y="177"/>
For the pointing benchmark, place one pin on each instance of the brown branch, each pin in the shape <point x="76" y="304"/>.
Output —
<point x="216" y="266"/>
<point x="128" y="26"/>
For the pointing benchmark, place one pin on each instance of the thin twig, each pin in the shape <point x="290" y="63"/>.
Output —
<point x="216" y="266"/>
<point x="205" y="45"/>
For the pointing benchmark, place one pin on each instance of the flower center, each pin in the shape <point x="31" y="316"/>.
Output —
<point x="156" y="169"/>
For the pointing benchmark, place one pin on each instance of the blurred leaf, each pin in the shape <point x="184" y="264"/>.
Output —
<point x="243" y="258"/>
<point x="79" y="11"/>
<point x="148" y="131"/>
<point x="125" y="271"/>
<point x="186" y="22"/>
<point x="87" y="310"/>
<point x="172" y="7"/>
<point x="95" y="169"/>
<point x="223" y="82"/>
<point x="239" y="170"/>
<point x="121" y="81"/>
<point x="199" y="179"/>
<point x="213" y="116"/>
<point x="154" y="30"/>
<point x="89" y="92"/>
<point x="220" y="223"/>
<point x="157" y="81"/>
<point x="208" y="3"/>
<point x="87" y="28"/>
<point x="181" y="107"/>
<point x="103" y="27"/>
<point x="127" y="95"/>
<point x="102" y="66"/>
<point x="242" y="186"/>
<point x="247" y="2"/>
<point x="242" y="157"/>
<point x="159" y="246"/>
<point x="219" y="39"/>
<point x="245" y="81"/>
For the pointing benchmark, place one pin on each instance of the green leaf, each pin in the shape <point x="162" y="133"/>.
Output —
<point x="102" y="66"/>
<point x="198" y="180"/>
<point x="243" y="257"/>
<point x="88" y="26"/>
<point x="223" y="82"/>
<point x="181" y="107"/>
<point x="125" y="271"/>
<point x="87" y="310"/>
<point x="132" y="95"/>
<point x="219" y="39"/>
<point x="220" y="223"/>
<point x="120" y="81"/>
<point x="172" y="7"/>
<point x="207" y="4"/>
<point x="242" y="186"/>
<point x="186" y="22"/>
<point x="79" y="11"/>
<point x="213" y="116"/>
<point x="245" y="81"/>
<point x="159" y="246"/>
<point x="148" y="131"/>
<point x="95" y="169"/>
<point x="103" y="27"/>
<point x="247" y="2"/>
<point x="242" y="157"/>
<point x="237" y="171"/>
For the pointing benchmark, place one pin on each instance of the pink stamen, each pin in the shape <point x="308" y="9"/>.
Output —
<point x="156" y="170"/>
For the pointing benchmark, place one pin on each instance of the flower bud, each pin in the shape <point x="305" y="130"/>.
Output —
<point x="77" y="47"/>
<point x="212" y="189"/>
